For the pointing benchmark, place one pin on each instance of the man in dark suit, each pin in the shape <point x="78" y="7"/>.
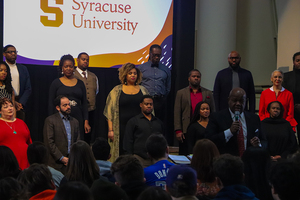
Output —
<point x="60" y="132"/>
<point x="233" y="129"/>
<point x="185" y="103"/>
<point x="232" y="77"/>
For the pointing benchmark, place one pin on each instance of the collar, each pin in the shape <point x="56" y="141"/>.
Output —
<point x="199" y="89"/>
<point x="154" y="65"/>
<point x="141" y="115"/>
<point x="232" y="114"/>
<point x="282" y="89"/>
<point x="80" y="71"/>
<point x="11" y="65"/>
<point x="64" y="117"/>
<point x="236" y="69"/>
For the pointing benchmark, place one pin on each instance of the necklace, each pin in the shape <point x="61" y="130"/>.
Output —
<point x="14" y="132"/>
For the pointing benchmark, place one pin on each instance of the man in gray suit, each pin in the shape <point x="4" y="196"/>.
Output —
<point x="185" y="103"/>
<point x="60" y="132"/>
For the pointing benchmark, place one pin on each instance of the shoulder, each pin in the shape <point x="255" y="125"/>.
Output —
<point x="163" y="67"/>
<point x="143" y="89"/>
<point x="20" y="122"/>
<point x="251" y="115"/>
<point x="80" y="82"/>
<point x="52" y="117"/>
<point x="144" y="65"/>
<point x="56" y="82"/>
<point x="287" y="92"/>
<point x="22" y="67"/>
<point x="91" y="74"/>
<point x="290" y="73"/>
<point x="220" y="114"/>
<point x="72" y="119"/>
<point x="183" y="90"/>
<point x="205" y="89"/>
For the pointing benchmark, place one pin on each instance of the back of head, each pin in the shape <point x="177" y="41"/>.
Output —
<point x="73" y="191"/>
<point x="36" y="178"/>
<point x="181" y="181"/>
<point x="11" y="189"/>
<point x="229" y="169"/>
<point x="9" y="166"/>
<point x="156" y="146"/>
<point x="285" y="179"/>
<point x="127" y="169"/>
<point x="156" y="193"/>
<point x="37" y="152"/>
<point x="101" y="149"/>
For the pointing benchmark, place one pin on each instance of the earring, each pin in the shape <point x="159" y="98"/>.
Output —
<point x="125" y="82"/>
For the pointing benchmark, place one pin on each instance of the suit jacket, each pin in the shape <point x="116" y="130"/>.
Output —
<point x="182" y="108"/>
<point x="221" y="121"/>
<point x="55" y="138"/>
<point x="223" y="86"/>
<point x="25" y="86"/>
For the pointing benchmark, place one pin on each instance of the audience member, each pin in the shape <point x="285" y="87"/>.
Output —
<point x="158" y="151"/>
<point x="11" y="189"/>
<point x="185" y="105"/>
<point x="138" y="130"/>
<point x="232" y="77"/>
<point x="230" y="174"/>
<point x="9" y="166"/>
<point x="101" y="151"/>
<point x="37" y="180"/>
<point x="6" y="89"/>
<point x="233" y="129"/>
<point x="182" y="182"/>
<point x="129" y="175"/>
<point x="73" y="191"/>
<point x="82" y="165"/>
<point x="205" y="151"/>
<point x="122" y="104"/>
<point x="284" y="180"/>
<point x="156" y="193"/>
<point x="60" y="132"/>
<point x="37" y="152"/>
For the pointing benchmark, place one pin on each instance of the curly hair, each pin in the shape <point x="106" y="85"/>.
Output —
<point x="124" y="70"/>
<point x="7" y="81"/>
<point x="62" y="61"/>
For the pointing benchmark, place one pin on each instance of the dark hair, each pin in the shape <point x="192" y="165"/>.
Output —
<point x="280" y="116"/>
<point x="154" y="46"/>
<point x="37" y="152"/>
<point x="229" y="169"/>
<point x="196" y="115"/>
<point x="7" y="46"/>
<point x="11" y="189"/>
<point x="194" y="70"/>
<point x="73" y="191"/>
<point x="4" y="101"/>
<point x="36" y="178"/>
<point x="296" y="54"/>
<point x="285" y="178"/>
<point x="154" y="192"/>
<point x="101" y="149"/>
<point x="9" y="165"/>
<point x="257" y="164"/>
<point x="82" y="165"/>
<point x="7" y="81"/>
<point x="82" y="53"/>
<point x="127" y="168"/>
<point x="57" y="100"/>
<point x="156" y="146"/>
<point x="62" y="61"/>
<point x="146" y="96"/>
<point x="204" y="152"/>
<point x="124" y="70"/>
<point x="106" y="190"/>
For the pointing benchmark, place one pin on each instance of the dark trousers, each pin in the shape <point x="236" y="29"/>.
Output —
<point x="160" y="110"/>
<point x="90" y="137"/>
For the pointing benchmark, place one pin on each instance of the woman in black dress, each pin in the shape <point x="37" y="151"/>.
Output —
<point x="280" y="135"/>
<point x="6" y="89"/>
<point x="198" y="125"/>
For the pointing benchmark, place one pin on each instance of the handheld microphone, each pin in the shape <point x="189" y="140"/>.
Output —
<point x="237" y="115"/>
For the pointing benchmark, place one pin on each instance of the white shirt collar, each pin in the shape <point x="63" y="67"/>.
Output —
<point x="80" y="72"/>
<point x="282" y="89"/>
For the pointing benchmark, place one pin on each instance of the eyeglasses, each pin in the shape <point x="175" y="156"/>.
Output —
<point x="10" y="52"/>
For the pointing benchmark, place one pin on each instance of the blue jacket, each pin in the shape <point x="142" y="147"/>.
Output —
<point x="235" y="192"/>
<point x="25" y="86"/>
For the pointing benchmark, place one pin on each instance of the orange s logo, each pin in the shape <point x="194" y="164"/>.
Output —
<point x="54" y="10"/>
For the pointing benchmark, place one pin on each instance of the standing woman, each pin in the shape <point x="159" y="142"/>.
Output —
<point x="74" y="89"/>
<point x="6" y="89"/>
<point x="277" y="93"/>
<point x="123" y="103"/>
<point x="196" y="129"/>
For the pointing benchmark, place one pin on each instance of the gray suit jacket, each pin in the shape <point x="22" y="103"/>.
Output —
<point x="55" y="138"/>
<point x="182" y="108"/>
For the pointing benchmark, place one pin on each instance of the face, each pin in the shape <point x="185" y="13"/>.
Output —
<point x="204" y="110"/>
<point x="236" y="101"/>
<point x="277" y="78"/>
<point x="274" y="110"/>
<point x="155" y="55"/>
<point x="3" y="72"/>
<point x="83" y="62"/>
<point x="234" y="59"/>
<point x="64" y="107"/>
<point x="7" y="110"/>
<point x="147" y="106"/>
<point x="296" y="62"/>
<point x="131" y="76"/>
<point x="68" y="68"/>
<point x="195" y="78"/>
<point x="10" y="55"/>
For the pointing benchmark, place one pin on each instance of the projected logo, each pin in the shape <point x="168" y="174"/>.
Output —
<point x="52" y="10"/>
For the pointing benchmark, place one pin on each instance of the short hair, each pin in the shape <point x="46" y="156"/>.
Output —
<point x="36" y="178"/>
<point x="156" y="146"/>
<point x="154" y="46"/>
<point x="124" y="70"/>
<point x="4" y="101"/>
<point x="229" y="169"/>
<point x="204" y="152"/>
<point x="280" y="116"/>
<point x="82" y="53"/>
<point x="154" y="192"/>
<point x="7" y="46"/>
<point x="73" y="191"/>
<point x="285" y="179"/>
<point x="37" y="152"/>
<point x="196" y="115"/>
<point x="277" y="70"/>
<point x="101" y="149"/>
<point x="126" y="169"/>
<point x="57" y="100"/>
<point x="62" y="61"/>
<point x="146" y="96"/>
<point x="11" y="189"/>
<point x="194" y="70"/>
<point x="295" y="55"/>
<point x="9" y="165"/>
<point x="7" y="81"/>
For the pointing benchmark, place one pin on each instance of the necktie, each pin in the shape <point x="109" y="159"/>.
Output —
<point x="235" y="79"/>
<point x="240" y="139"/>
<point x="84" y="75"/>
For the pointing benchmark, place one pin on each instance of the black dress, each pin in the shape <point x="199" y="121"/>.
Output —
<point x="280" y="135"/>
<point x="129" y="106"/>
<point x="194" y="133"/>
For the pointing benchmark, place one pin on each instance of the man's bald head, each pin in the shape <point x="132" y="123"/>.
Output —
<point x="237" y="100"/>
<point x="234" y="59"/>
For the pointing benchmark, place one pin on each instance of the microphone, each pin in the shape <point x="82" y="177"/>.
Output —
<point x="237" y="115"/>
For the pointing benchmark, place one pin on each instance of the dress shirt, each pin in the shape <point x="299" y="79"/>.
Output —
<point x="195" y="99"/>
<point x="87" y="74"/>
<point x="15" y="78"/>
<point x="67" y="125"/>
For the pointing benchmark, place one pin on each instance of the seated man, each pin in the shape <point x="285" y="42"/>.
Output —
<point x="158" y="150"/>
<point x="230" y="176"/>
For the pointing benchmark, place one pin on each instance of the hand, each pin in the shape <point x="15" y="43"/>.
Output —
<point x="180" y="136"/>
<point x="111" y="135"/>
<point x="275" y="158"/>
<point x="87" y="127"/>
<point x="255" y="141"/>
<point x="297" y="108"/>
<point x="18" y="106"/>
<point x="65" y="160"/>
<point x="235" y="127"/>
